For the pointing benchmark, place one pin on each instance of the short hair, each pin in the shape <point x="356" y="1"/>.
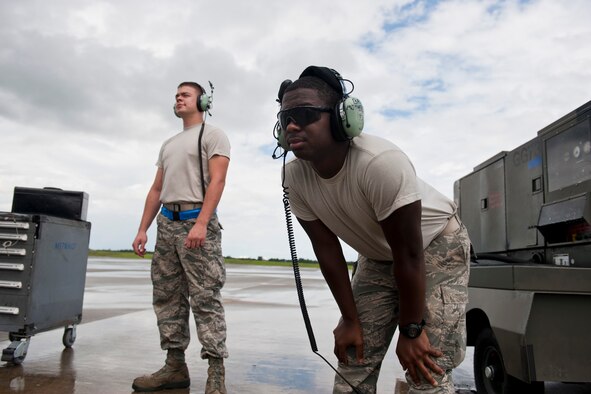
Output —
<point x="327" y="94"/>
<point x="194" y="85"/>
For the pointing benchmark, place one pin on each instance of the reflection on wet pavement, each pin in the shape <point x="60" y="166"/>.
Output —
<point x="118" y="339"/>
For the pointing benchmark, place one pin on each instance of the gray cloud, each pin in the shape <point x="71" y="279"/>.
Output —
<point x="87" y="90"/>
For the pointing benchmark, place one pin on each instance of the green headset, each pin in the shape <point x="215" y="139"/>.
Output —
<point x="204" y="101"/>
<point x="346" y="119"/>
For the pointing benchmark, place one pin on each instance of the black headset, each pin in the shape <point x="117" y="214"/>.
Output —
<point x="346" y="119"/>
<point x="204" y="101"/>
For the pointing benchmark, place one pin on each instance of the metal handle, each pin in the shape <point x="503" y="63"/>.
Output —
<point x="13" y="252"/>
<point x="24" y="225"/>
<point x="11" y="284"/>
<point x="12" y="266"/>
<point x="14" y="237"/>
<point x="9" y="310"/>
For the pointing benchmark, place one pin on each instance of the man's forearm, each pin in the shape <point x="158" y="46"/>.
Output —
<point x="213" y="195"/>
<point x="403" y="233"/>
<point x="151" y="208"/>
<point x="336" y="273"/>
<point x="410" y="279"/>
<point x="329" y="253"/>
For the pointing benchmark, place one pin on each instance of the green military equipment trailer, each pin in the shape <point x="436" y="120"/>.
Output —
<point x="528" y="213"/>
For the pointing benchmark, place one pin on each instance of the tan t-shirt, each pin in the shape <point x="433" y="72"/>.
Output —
<point x="376" y="179"/>
<point x="179" y="159"/>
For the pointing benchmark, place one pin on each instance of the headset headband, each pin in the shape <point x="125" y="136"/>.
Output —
<point x="328" y="75"/>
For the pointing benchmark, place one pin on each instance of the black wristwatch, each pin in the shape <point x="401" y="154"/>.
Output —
<point x="412" y="330"/>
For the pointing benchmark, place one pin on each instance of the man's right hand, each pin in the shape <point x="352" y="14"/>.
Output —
<point x="139" y="244"/>
<point x="348" y="333"/>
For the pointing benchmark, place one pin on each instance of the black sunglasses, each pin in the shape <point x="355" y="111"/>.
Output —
<point x="302" y="116"/>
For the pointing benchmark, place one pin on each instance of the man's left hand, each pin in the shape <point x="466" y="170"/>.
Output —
<point x="415" y="355"/>
<point x="196" y="237"/>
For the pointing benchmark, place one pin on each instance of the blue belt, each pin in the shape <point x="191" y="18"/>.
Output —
<point x="183" y="215"/>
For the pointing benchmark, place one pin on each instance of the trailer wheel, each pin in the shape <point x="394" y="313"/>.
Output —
<point x="69" y="336"/>
<point x="489" y="370"/>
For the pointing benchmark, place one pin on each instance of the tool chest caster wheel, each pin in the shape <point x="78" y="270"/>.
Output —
<point x="16" y="352"/>
<point x="69" y="336"/>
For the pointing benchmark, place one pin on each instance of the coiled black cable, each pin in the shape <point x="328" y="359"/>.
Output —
<point x="298" y="279"/>
<point x="296" y="270"/>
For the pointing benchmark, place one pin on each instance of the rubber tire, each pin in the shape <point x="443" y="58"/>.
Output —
<point x="8" y="356"/>
<point x="488" y="353"/>
<point x="69" y="337"/>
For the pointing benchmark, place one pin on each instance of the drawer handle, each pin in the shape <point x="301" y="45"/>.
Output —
<point x="24" y="225"/>
<point x="14" y="237"/>
<point x="11" y="284"/>
<point x="12" y="266"/>
<point x="13" y="252"/>
<point x="9" y="310"/>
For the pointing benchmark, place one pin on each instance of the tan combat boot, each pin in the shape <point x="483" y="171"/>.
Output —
<point x="216" y="377"/>
<point x="174" y="375"/>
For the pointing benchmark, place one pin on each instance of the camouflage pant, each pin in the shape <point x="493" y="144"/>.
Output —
<point x="377" y="299"/>
<point x="189" y="279"/>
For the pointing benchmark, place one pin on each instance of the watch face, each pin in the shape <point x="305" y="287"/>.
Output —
<point x="413" y="332"/>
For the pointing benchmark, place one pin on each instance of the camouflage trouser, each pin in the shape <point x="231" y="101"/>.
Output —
<point x="185" y="279"/>
<point x="377" y="299"/>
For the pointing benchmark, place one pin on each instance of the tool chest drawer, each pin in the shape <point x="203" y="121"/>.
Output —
<point x="17" y="242"/>
<point x="13" y="311"/>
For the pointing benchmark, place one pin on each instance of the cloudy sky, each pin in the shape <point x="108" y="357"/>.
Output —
<point x="87" y="88"/>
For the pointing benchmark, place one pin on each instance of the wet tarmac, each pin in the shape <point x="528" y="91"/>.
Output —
<point x="269" y="348"/>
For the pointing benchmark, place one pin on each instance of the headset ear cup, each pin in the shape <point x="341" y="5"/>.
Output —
<point x="204" y="103"/>
<point x="336" y="124"/>
<point x="350" y="114"/>
<point x="279" y="135"/>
